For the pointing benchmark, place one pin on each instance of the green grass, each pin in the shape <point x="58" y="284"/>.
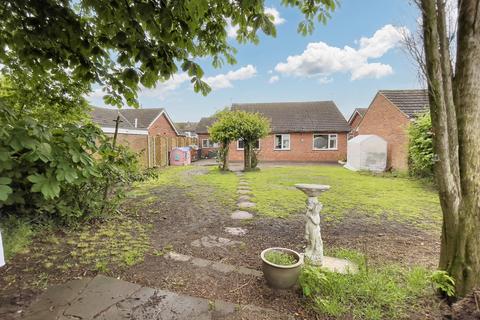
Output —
<point x="386" y="292"/>
<point x="224" y="184"/>
<point x="398" y="198"/>
<point x="280" y="258"/>
<point x="16" y="236"/>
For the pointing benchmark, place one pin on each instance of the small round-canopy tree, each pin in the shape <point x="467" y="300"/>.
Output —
<point x="251" y="127"/>
<point x="224" y="131"/>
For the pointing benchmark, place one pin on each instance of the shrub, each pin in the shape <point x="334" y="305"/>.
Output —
<point x="58" y="170"/>
<point x="373" y="293"/>
<point x="420" y="150"/>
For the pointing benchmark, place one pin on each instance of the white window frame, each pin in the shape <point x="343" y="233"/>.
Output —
<point x="209" y="144"/>
<point x="240" y="149"/>
<point x="330" y="135"/>
<point x="282" y="139"/>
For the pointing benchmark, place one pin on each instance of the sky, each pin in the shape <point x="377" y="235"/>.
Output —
<point x="357" y="53"/>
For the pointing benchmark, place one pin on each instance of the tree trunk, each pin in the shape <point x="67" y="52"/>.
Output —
<point x="466" y="262"/>
<point x="246" y="156"/>
<point x="225" y="151"/>
<point x="455" y="111"/>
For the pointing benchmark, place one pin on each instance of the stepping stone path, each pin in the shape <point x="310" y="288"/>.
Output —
<point x="244" y="200"/>
<point x="236" y="231"/>
<point x="241" y="215"/>
<point x="105" y="298"/>
<point x="211" y="241"/>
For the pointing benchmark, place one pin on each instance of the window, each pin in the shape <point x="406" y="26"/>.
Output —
<point x="325" y="142"/>
<point x="282" y="142"/>
<point x="206" y="143"/>
<point x="241" y="146"/>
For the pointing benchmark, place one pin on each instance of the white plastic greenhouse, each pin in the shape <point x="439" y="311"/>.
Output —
<point x="367" y="152"/>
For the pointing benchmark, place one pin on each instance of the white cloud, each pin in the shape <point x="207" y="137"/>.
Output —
<point x="273" y="79"/>
<point x="321" y="59"/>
<point x="277" y="19"/>
<point x="162" y="89"/>
<point x="221" y="81"/>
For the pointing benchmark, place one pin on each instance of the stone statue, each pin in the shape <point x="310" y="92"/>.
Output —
<point x="314" y="250"/>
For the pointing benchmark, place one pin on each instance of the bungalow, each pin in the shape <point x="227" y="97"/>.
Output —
<point x="187" y="129"/>
<point x="388" y="116"/>
<point x="355" y="120"/>
<point x="136" y="128"/>
<point x="300" y="131"/>
<point x="208" y="147"/>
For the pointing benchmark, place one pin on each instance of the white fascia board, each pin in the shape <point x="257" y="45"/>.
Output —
<point x="125" y="131"/>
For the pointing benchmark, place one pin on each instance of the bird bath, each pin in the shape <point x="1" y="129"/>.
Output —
<point x="314" y="250"/>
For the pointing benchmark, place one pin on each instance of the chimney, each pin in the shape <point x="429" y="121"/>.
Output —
<point x="136" y="122"/>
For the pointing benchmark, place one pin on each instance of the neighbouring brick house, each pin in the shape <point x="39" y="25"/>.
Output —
<point x="355" y="120"/>
<point x="137" y="128"/>
<point x="187" y="129"/>
<point x="388" y="116"/>
<point x="208" y="148"/>
<point x="300" y="131"/>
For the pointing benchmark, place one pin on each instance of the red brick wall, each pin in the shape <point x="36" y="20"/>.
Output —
<point x="387" y="121"/>
<point x="162" y="127"/>
<point x="205" y="151"/>
<point x="301" y="149"/>
<point x="354" y="124"/>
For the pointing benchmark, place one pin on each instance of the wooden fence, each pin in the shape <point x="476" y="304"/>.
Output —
<point x="159" y="148"/>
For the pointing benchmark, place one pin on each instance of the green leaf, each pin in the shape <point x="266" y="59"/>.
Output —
<point x="5" y="191"/>
<point x="5" y="180"/>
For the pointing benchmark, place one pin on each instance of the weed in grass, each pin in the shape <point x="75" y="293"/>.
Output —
<point x="16" y="235"/>
<point x="280" y="258"/>
<point x="386" y="292"/>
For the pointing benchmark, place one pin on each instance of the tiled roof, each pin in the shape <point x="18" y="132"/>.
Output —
<point x="105" y="117"/>
<point x="314" y="116"/>
<point x="203" y="124"/>
<point x="409" y="102"/>
<point x="360" y="111"/>
<point x="186" y="126"/>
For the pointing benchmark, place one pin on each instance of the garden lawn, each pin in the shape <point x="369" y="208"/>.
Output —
<point x="399" y="198"/>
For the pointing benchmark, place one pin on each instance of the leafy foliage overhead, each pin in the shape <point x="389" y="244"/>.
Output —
<point x="125" y="44"/>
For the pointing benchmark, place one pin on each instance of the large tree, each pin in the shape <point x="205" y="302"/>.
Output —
<point x="454" y="94"/>
<point x="122" y="45"/>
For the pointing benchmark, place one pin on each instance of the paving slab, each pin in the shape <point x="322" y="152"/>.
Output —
<point x="53" y="303"/>
<point x="236" y="231"/>
<point x="100" y="294"/>
<point x="241" y="191"/>
<point x="246" y="204"/>
<point x="339" y="265"/>
<point x="244" y="197"/>
<point x="130" y="301"/>
<point x="212" y="241"/>
<point x="241" y="215"/>
<point x="177" y="256"/>
<point x="244" y="188"/>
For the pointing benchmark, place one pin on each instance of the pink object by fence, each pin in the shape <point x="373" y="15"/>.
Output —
<point x="180" y="156"/>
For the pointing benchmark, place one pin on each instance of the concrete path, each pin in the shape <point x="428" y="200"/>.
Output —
<point x="107" y="298"/>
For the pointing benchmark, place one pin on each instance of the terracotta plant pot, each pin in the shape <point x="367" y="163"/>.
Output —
<point x="281" y="276"/>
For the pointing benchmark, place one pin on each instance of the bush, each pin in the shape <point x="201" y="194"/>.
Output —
<point x="420" y="149"/>
<point x="58" y="171"/>
<point x="372" y="293"/>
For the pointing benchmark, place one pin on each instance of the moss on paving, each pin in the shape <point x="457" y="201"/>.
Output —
<point x="397" y="198"/>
